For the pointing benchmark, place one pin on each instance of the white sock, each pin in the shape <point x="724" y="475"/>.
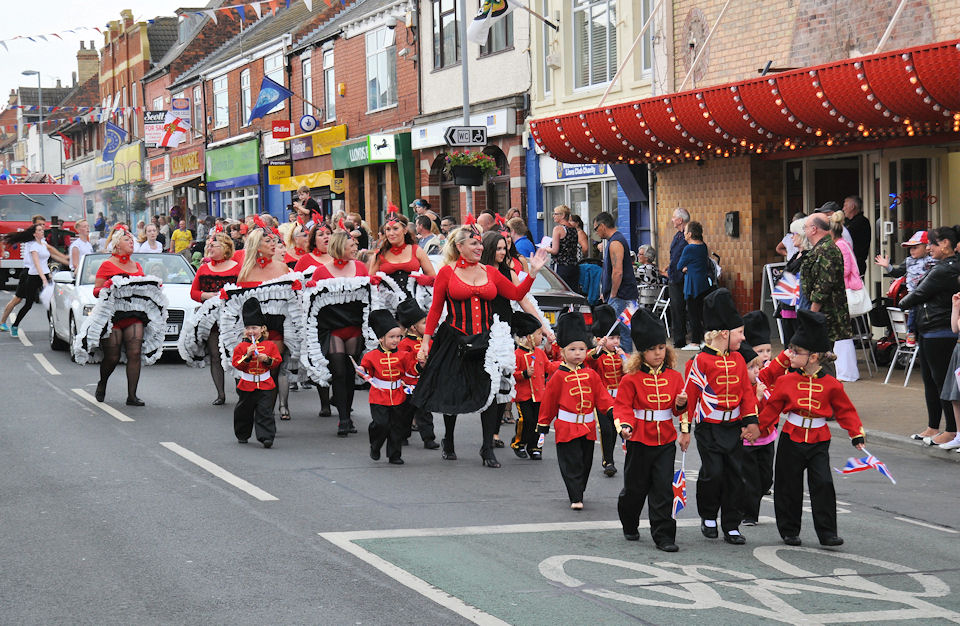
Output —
<point x="734" y="532"/>
<point x="710" y="523"/>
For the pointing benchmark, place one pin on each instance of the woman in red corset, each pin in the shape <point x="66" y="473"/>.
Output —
<point x="127" y="331"/>
<point x="318" y="240"/>
<point x="340" y="326"/>
<point x="210" y="278"/>
<point x="399" y="256"/>
<point x="454" y="379"/>
<point x="296" y="242"/>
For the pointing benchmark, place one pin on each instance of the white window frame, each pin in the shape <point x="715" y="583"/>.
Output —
<point x="646" y="46"/>
<point x="385" y="50"/>
<point x="245" y="98"/>
<point x="237" y="203"/>
<point x="221" y="103"/>
<point x="198" y="112"/>
<point x="547" y="34"/>
<point x="306" y="79"/>
<point x="583" y="58"/>
<point x="273" y="69"/>
<point x="329" y="88"/>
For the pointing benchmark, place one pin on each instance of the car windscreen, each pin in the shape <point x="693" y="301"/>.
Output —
<point x="170" y="268"/>
<point x="21" y="207"/>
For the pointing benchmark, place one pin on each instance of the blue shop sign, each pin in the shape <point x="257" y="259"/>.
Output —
<point x="580" y="170"/>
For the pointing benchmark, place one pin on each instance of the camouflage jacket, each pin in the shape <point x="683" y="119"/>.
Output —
<point x="821" y="279"/>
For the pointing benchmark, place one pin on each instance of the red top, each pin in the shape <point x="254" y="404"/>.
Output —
<point x="610" y="367"/>
<point x="388" y="370"/>
<point x="469" y="306"/>
<point x="388" y="267"/>
<point x="532" y="387"/>
<point x="516" y="265"/>
<point x="108" y="270"/>
<point x="578" y="391"/>
<point x="238" y="256"/>
<point x="649" y="390"/>
<point x="322" y="272"/>
<point x="306" y="262"/>
<point x="411" y="343"/>
<point x="211" y="280"/>
<point x="810" y="397"/>
<point x="777" y="367"/>
<point x="253" y="367"/>
<point x="727" y="379"/>
<point x="291" y="261"/>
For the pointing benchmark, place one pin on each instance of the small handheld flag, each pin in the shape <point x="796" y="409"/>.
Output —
<point x="868" y="462"/>
<point x="787" y="289"/>
<point x="624" y="318"/>
<point x="679" y="488"/>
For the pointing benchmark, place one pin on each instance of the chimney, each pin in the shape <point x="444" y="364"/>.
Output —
<point x="73" y="76"/>
<point x="88" y="63"/>
<point x="58" y="83"/>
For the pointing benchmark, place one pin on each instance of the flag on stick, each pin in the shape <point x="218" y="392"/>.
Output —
<point x="624" y="318"/>
<point x="787" y="289"/>
<point x="271" y="94"/>
<point x="174" y="131"/>
<point x="680" y="487"/>
<point x="868" y="462"/>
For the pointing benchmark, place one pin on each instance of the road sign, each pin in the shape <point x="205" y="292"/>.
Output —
<point x="461" y="136"/>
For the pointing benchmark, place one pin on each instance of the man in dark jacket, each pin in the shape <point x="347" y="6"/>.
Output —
<point x="859" y="227"/>
<point x="678" y="305"/>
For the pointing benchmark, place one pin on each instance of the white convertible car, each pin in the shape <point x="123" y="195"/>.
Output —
<point x="73" y="295"/>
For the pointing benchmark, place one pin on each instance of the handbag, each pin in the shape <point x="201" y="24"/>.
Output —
<point x="473" y="347"/>
<point x="858" y="302"/>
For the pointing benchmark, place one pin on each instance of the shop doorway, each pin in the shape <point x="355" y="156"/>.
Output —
<point x="906" y="198"/>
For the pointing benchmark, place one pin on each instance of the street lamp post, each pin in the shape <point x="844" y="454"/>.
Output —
<point x="43" y="163"/>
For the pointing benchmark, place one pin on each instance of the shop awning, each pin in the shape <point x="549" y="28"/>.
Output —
<point x="166" y="187"/>
<point x="321" y="141"/>
<point x="316" y="179"/>
<point x="840" y="106"/>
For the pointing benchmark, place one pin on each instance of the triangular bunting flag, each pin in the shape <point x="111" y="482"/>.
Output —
<point x="256" y="9"/>
<point x="212" y="15"/>
<point x="309" y="4"/>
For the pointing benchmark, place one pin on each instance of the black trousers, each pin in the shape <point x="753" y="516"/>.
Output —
<point x="254" y="410"/>
<point x="720" y="482"/>
<point x="608" y="436"/>
<point x="648" y="475"/>
<point x="678" y="315"/>
<point x="695" y="316"/>
<point x="934" y="357"/>
<point x="424" y="425"/>
<point x="792" y="459"/>
<point x="757" y="478"/>
<point x="575" y="458"/>
<point x="526" y="438"/>
<point x="389" y="424"/>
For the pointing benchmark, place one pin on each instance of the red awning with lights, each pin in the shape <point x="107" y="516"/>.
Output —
<point x="843" y="106"/>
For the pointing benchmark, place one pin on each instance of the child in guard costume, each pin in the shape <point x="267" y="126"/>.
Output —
<point x="254" y="357"/>
<point x="723" y="405"/>
<point x="530" y="374"/>
<point x="573" y="396"/>
<point x="388" y="368"/>
<point x="414" y="320"/>
<point x="650" y="396"/>
<point x="808" y="396"/>
<point x="607" y="360"/>
<point x="757" y="455"/>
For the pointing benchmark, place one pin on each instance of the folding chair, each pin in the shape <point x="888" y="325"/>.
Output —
<point x="863" y="336"/>
<point x="898" y="321"/>
<point x="661" y="306"/>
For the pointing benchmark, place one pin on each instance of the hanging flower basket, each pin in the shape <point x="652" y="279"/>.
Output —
<point x="470" y="168"/>
<point x="467" y="175"/>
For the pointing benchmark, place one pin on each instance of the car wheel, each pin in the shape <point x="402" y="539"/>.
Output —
<point x="55" y="342"/>
<point x="73" y="334"/>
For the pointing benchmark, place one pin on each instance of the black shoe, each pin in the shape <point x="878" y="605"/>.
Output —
<point x="431" y="445"/>
<point x="219" y="401"/>
<point x="708" y="532"/>
<point x="324" y="412"/>
<point x="284" y="413"/>
<point x="405" y="442"/>
<point x="448" y="456"/>
<point x="135" y="401"/>
<point x="748" y="522"/>
<point x="631" y="536"/>
<point x="268" y="443"/>
<point x="396" y="461"/>
<point x="241" y="441"/>
<point x="491" y="462"/>
<point x="351" y="428"/>
<point x="520" y="452"/>
<point x="668" y="547"/>
<point x="831" y="542"/>
<point x="498" y="443"/>
<point x="101" y="391"/>
<point x="737" y="540"/>
<point x="792" y="540"/>
<point x="343" y="429"/>
<point x="536" y="455"/>
<point x="609" y="470"/>
<point x="374" y="454"/>
<point x="414" y="428"/>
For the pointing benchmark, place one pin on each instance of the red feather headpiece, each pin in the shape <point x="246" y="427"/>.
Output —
<point x="499" y="219"/>
<point x="470" y="221"/>
<point x="341" y="225"/>
<point x="393" y="213"/>
<point x="218" y="228"/>
<point x="316" y="217"/>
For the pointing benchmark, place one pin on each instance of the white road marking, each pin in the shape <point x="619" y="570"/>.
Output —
<point x="219" y="472"/>
<point x="46" y="364"/>
<point x="926" y="525"/>
<point x="24" y="339"/>
<point x="106" y="408"/>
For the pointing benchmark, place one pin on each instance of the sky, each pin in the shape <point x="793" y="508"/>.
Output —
<point x="58" y="59"/>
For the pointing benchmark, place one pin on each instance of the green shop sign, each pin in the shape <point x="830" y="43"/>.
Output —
<point x="374" y="149"/>
<point x="233" y="166"/>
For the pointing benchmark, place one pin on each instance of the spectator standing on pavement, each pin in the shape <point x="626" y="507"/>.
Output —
<point x="148" y="242"/>
<point x="935" y="335"/>
<point x="422" y="207"/>
<point x="583" y="240"/>
<point x="426" y="237"/>
<point x="951" y="390"/>
<point x="618" y="284"/>
<point x="564" y="246"/>
<point x="101" y="224"/>
<point x="181" y="238"/>
<point x="447" y="225"/>
<point x="697" y="280"/>
<point x="844" y="349"/>
<point x="521" y="237"/>
<point x="305" y="207"/>
<point x="859" y="228"/>
<point x="678" y="305"/>
<point x="649" y="281"/>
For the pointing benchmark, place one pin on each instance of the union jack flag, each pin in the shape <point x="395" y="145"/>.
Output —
<point x="708" y="398"/>
<point x="627" y="315"/>
<point x="787" y="289"/>
<point x="868" y="462"/>
<point x="679" y="489"/>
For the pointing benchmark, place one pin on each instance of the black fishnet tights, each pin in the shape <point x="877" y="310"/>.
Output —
<point x="131" y="339"/>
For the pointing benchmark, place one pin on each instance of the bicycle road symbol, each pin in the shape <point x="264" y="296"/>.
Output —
<point x="698" y="587"/>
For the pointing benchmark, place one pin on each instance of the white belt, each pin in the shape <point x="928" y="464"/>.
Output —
<point x="255" y="378"/>
<point x="613" y="392"/>
<point x="806" y="422"/>
<point x="650" y="415"/>
<point x="719" y="415"/>
<point x="574" y="418"/>
<point x="379" y="383"/>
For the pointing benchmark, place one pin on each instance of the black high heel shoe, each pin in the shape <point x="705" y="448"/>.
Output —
<point x="491" y="462"/>
<point x="101" y="391"/>
<point x="284" y="413"/>
<point x="219" y="401"/>
<point x="135" y="401"/>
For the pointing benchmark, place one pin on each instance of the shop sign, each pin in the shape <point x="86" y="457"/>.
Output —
<point x="353" y="155"/>
<point x="381" y="149"/>
<point x="301" y="147"/>
<point x="153" y="122"/>
<point x="232" y="166"/>
<point x="281" y="129"/>
<point x="580" y="170"/>
<point x="186" y="164"/>
<point x="277" y="173"/>
<point x="126" y="167"/>
<point x="158" y="169"/>
<point x="104" y="172"/>
<point x="337" y="185"/>
<point x="180" y="107"/>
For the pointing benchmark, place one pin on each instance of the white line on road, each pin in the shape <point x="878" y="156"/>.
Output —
<point x="219" y="472"/>
<point x="46" y="364"/>
<point x="926" y="525"/>
<point x="24" y="339"/>
<point x="106" y="408"/>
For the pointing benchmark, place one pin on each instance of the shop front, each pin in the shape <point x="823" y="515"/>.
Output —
<point x="176" y="179"/>
<point x="378" y="170"/>
<point x="312" y="166"/>
<point x="121" y="185"/>
<point x="233" y="179"/>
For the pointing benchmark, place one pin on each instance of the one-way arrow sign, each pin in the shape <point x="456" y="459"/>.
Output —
<point x="461" y="136"/>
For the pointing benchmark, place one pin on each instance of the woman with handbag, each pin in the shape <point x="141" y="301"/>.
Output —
<point x="858" y="302"/>
<point x="461" y="372"/>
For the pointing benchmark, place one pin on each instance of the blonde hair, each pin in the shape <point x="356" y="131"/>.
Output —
<point x="450" y="251"/>
<point x="635" y="362"/>
<point x="115" y="237"/>
<point x="563" y="209"/>
<point x="78" y="222"/>
<point x="227" y="242"/>
<point x="288" y="231"/>
<point x="836" y="224"/>
<point x="142" y="235"/>
<point x="338" y="244"/>
<point x="710" y="335"/>
<point x="251" y="249"/>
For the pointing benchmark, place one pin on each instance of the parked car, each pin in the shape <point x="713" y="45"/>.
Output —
<point x="552" y="294"/>
<point x="73" y="296"/>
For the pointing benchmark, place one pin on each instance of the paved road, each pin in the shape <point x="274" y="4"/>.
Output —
<point x="109" y="521"/>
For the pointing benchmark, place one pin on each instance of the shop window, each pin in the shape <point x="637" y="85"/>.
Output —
<point x="307" y="73"/>
<point x="197" y="110"/>
<point x="446" y="34"/>
<point x="237" y="203"/>
<point x="329" y="88"/>
<point x="499" y="38"/>
<point x="381" y="69"/>
<point x="158" y="104"/>
<point x="646" y="46"/>
<point x="245" y="97"/>
<point x="221" y="103"/>
<point x="547" y="37"/>
<point x="594" y="41"/>
<point x="273" y="69"/>
<point x="498" y="184"/>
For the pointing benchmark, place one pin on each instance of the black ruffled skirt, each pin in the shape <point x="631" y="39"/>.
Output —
<point x="450" y="383"/>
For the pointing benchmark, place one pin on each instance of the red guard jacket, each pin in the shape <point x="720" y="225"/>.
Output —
<point x="610" y="367"/>
<point x="726" y="375"/>
<point x="532" y="387"/>
<point x="647" y="403"/>
<point x="411" y="343"/>
<point x="777" y="367"/>
<point x="255" y="374"/>
<point x="572" y="397"/>
<point x="388" y="371"/>
<point x="808" y="401"/>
